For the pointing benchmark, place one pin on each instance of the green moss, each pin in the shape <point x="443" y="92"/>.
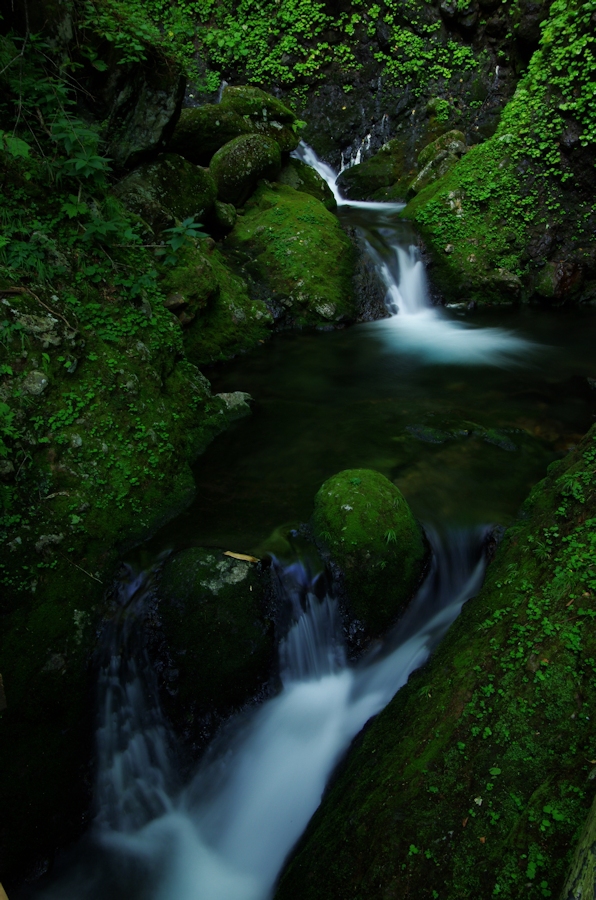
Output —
<point x="475" y="780"/>
<point x="369" y="531"/>
<point x="240" y="164"/>
<point x="201" y="131"/>
<point x="371" y="179"/>
<point x="299" y="253"/>
<point x="215" y="628"/>
<point x="302" y="177"/>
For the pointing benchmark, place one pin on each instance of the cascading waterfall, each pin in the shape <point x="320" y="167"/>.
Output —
<point x="414" y="326"/>
<point x="225" y="836"/>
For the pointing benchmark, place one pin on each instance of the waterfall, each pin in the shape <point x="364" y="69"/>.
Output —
<point x="226" y="835"/>
<point x="415" y="326"/>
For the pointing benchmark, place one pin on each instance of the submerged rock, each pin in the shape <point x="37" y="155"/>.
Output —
<point x="365" y="524"/>
<point x="167" y="189"/>
<point x="216" y="631"/>
<point x="240" y="164"/>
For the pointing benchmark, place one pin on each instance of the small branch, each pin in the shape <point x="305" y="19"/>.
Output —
<point x="81" y="569"/>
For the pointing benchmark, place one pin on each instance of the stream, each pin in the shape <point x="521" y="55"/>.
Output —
<point x="463" y="411"/>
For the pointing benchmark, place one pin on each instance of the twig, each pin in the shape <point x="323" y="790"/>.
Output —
<point x="24" y="290"/>
<point x="81" y="568"/>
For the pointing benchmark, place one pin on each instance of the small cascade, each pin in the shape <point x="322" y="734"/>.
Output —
<point x="226" y="835"/>
<point x="414" y="325"/>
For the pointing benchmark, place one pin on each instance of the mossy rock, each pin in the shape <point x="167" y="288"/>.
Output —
<point x="169" y="188"/>
<point x="231" y="321"/>
<point x="367" y="527"/>
<point x="240" y="164"/>
<point x="383" y="170"/>
<point x="298" y="256"/>
<point x="190" y="284"/>
<point x="301" y="177"/>
<point x="202" y="130"/>
<point x="215" y="627"/>
<point x="257" y="104"/>
<point x="452" y="141"/>
<point x="225" y="215"/>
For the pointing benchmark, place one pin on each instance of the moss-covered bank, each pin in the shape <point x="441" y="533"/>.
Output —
<point x="476" y="779"/>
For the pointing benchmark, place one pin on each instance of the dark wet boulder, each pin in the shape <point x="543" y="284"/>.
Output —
<point x="217" y="633"/>
<point x="240" y="164"/>
<point x="363" y="522"/>
<point x="201" y="131"/>
<point x="302" y="177"/>
<point x="169" y="188"/>
<point x="225" y="215"/>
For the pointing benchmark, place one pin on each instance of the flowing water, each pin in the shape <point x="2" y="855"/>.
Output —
<point x="464" y="415"/>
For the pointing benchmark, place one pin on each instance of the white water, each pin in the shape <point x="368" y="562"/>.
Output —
<point x="226" y="835"/>
<point x="415" y="326"/>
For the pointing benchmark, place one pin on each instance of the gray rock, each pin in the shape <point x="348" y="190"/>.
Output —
<point x="35" y="383"/>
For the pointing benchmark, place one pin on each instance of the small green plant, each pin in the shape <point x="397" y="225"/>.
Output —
<point x="181" y="234"/>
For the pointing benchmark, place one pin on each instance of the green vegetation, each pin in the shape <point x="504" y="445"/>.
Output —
<point x="504" y="196"/>
<point x="364" y="524"/>
<point x="476" y="779"/>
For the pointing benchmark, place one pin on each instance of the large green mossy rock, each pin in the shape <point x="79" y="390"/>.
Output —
<point x="267" y="114"/>
<point x="240" y="164"/>
<point x="202" y="130"/>
<point x="365" y="524"/>
<point x="371" y="179"/>
<point x="301" y="177"/>
<point x="437" y="158"/>
<point x="298" y="256"/>
<point x="169" y="188"/>
<point x="477" y="780"/>
<point x="216" y="628"/>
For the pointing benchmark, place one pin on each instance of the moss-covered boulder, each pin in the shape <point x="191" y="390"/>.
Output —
<point x="167" y="189"/>
<point x="297" y="255"/>
<point x="225" y="216"/>
<point x="437" y="158"/>
<point x="365" y="524"/>
<point x="219" y="315"/>
<point x="216" y="629"/>
<point x="372" y="179"/>
<point x="202" y="130"/>
<point x="302" y="177"/>
<point x="240" y="164"/>
<point x="266" y="113"/>
<point x="477" y="778"/>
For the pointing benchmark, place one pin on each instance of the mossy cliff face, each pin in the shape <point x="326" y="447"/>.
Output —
<point x="216" y="634"/>
<point x="363" y="522"/>
<point x="297" y="257"/>
<point x="476" y="780"/>
<point x="514" y="219"/>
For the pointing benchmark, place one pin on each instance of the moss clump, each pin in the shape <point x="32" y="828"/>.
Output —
<point x="301" y="177"/>
<point x="169" y="188"/>
<point x="367" y="527"/>
<point x="240" y="164"/>
<point x="216" y="629"/>
<point x="299" y="256"/>
<point x="476" y="779"/>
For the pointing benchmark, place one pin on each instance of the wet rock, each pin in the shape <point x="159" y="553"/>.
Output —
<point x="363" y="522"/>
<point x="225" y="215"/>
<point x="302" y="177"/>
<point x="216" y="631"/>
<point x="237" y="403"/>
<point x="383" y="170"/>
<point x="437" y="159"/>
<point x="169" y="188"/>
<point x="240" y="164"/>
